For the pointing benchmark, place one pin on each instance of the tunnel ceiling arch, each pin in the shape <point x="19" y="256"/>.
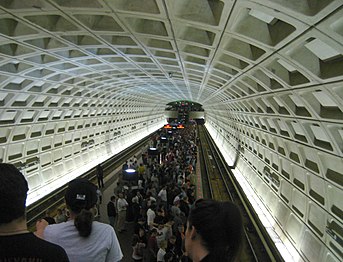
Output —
<point x="242" y="60"/>
<point x="82" y="79"/>
<point x="162" y="51"/>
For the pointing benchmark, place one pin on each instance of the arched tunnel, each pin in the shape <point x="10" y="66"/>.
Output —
<point x="269" y="75"/>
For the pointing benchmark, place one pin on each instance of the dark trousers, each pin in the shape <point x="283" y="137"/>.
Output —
<point x="101" y="182"/>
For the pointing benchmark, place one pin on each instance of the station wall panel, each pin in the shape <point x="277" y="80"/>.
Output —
<point x="297" y="179"/>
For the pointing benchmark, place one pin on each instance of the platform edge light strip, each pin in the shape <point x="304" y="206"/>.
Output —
<point x="36" y="194"/>
<point x="283" y="245"/>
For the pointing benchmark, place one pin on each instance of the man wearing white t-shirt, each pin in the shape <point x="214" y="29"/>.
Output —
<point x="163" y="196"/>
<point x="150" y="213"/>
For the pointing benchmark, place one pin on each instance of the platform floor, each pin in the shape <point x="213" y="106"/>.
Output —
<point x="125" y="237"/>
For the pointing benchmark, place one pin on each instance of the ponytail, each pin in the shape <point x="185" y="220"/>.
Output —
<point x="83" y="222"/>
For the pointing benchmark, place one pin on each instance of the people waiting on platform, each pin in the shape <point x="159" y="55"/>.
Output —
<point x="16" y="242"/>
<point x="162" y="251"/>
<point x="137" y="249"/>
<point x="49" y="218"/>
<point x="167" y="184"/>
<point x="163" y="233"/>
<point x="100" y="176"/>
<point x="122" y="208"/>
<point x="173" y="249"/>
<point x="150" y="214"/>
<point x="136" y="208"/>
<point x="99" y="196"/>
<point x="111" y="211"/>
<point x="156" y="198"/>
<point x="162" y="196"/>
<point x="125" y="166"/>
<point x="152" y="246"/>
<point x="83" y="238"/>
<point x="214" y="231"/>
<point x="60" y="216"/>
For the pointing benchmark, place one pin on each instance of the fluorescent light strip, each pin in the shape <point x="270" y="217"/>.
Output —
<point x="36" y="194"/>
<point x="281" y="241"/>
<point x="286" y="249"/>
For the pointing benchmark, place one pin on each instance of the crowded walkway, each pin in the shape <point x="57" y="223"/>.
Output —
<point x="158" y="199"/>
<point x="148" y="207"/>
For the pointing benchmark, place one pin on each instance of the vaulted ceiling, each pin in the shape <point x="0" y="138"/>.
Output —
<point x="82" y="79"/>
<point x="157" y="51"/>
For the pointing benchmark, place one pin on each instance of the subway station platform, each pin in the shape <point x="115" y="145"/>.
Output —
<point x="125" y="237"/>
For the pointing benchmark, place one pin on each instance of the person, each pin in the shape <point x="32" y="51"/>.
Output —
<point x="150" y="213"/>
<point x="161" y="217"/>
<point x="173" y="249"/>
<point x="137" y="249"/>
<point x="184" y="206"/>
<point x="139" y="225"/>
<point x="83" y="238"/>
<point x="136" y="208"/>
<point x="99" y="195"/>
<point x="214" y="231"/>
<point x="100" y="176"/>
<point x="16" y="242"/>
<point x="48" y="217"/>
<point x="152" y="246"/>
<point x="162" y="196"/>
<point x="141" y="169"/>
<point x="124" y="167"/>
<point x="111" y="210"/>
<point x="60" y="217"/>
<point x="121" y="207"/>
<point x="162" y="251"/>
<point x="163" y="233"/>
<point x="118" y="189"/>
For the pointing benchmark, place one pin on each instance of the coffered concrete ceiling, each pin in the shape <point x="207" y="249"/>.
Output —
<point x="159" y="51"/>
<point x="82" y="79"/>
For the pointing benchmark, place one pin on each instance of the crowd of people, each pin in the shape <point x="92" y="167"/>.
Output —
<point x="161" y="200"/>
<point x="169" y="223"/>
<point x="159" y="197"/>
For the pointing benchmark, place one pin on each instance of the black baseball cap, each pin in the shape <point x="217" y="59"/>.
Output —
<point x="80" y="194"/>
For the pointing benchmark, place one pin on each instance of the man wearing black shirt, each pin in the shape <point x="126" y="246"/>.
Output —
<point x="16" y="242"/>
<point x="100" y="176"/>
<point x="111" y="210"/>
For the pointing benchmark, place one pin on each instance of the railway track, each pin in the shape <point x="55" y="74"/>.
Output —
<point x="218" y="183"/>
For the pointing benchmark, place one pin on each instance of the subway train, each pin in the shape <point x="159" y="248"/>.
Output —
<point x="81" y="80"/>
